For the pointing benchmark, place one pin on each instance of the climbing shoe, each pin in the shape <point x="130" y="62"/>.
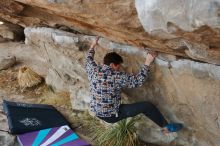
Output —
<point x="174" y="127"/>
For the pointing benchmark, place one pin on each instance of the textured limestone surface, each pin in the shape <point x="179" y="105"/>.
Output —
<point x="186" y="14"/>
<point x="186" y="28"/>
<point x="185" y="91"/>
<point x="185" y="78"/>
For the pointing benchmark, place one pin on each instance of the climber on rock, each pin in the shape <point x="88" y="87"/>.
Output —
<point x="106" y="82"/>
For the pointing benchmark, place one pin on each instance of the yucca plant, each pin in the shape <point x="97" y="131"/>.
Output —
<point x="123" y="133"/>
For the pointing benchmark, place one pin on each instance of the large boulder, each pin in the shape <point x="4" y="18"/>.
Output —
<point x="184" y="90"/>
<point x="186" y="28"/>
<point x="186" y="14"/>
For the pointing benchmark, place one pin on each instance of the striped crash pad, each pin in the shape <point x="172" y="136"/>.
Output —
<point x="58" y="136"/>
<point x="39" y="125"/>
<point x="25" y="117"/>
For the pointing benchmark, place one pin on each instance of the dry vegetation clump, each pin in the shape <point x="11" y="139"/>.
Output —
<point x="28" y="78"/>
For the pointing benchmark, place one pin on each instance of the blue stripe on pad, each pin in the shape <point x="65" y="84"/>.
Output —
<point x="40" y="137"/>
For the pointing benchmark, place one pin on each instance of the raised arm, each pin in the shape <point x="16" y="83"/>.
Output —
<point x="91" y="66"/>
<point x="135" y="80"/>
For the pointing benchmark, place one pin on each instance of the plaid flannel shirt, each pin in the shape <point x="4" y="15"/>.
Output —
<point x="106" y="85"/>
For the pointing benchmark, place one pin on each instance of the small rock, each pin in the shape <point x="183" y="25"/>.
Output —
<point x="6" y="62"/>
<point x="7" y="139"/>
<point x="3" y="121"/>
<point x="80" y="115"/>
<point x="155" y="136"/>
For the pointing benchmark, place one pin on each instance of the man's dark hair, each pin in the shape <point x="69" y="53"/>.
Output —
<point x="112" y="57"/>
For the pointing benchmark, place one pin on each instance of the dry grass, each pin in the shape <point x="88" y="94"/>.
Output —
<point x="55" y="98"/>
<point x="28" y="78"/>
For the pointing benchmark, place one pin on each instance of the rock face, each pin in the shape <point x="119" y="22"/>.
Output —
<point x="64" y="53"/>
<point x="186" y="28"/>
<point x="185" y="91"/>
<point x="188" y="15"/>
<point x="185" y="79"/>
<point x="189" y="92"/>
<point x="169" y="19"/>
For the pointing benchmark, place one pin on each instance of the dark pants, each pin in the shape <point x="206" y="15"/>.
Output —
<point x="131" y="110"/>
